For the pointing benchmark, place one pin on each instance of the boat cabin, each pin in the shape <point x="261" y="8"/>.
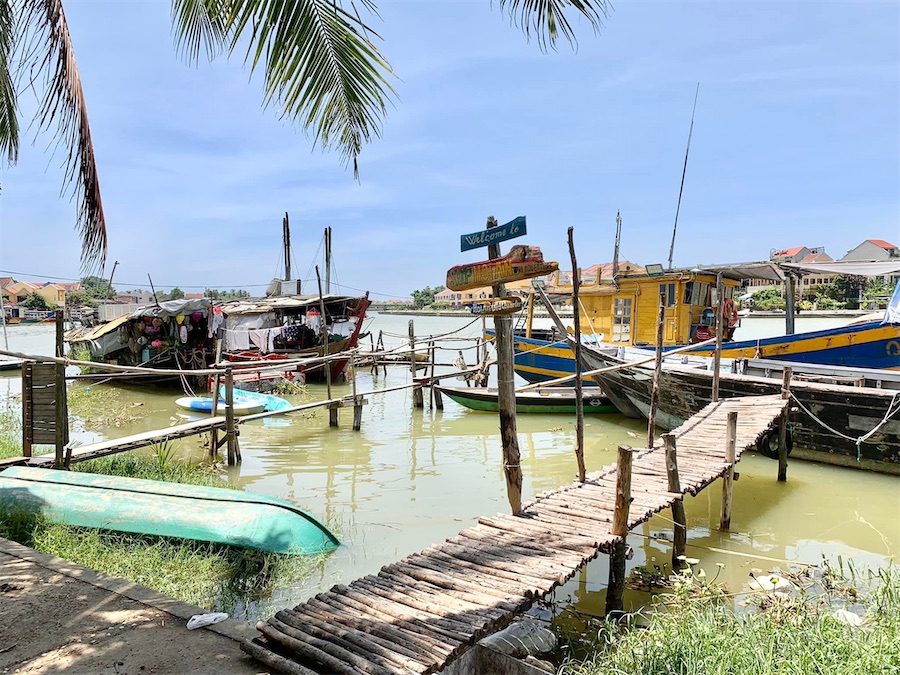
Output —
<point x="624" y="311"/>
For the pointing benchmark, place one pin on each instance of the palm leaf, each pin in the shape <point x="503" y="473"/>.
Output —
<point x="319" y="63"/>
<point x="9" y="121"/>
<point x="48" y="53"/>
<point x="546" y="19"/>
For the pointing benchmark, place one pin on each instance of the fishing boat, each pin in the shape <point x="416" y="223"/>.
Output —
<point x="548" y="400"/>
<point x="150" y="507"/>
<point x="293" y="327"/>
<point x="174" y="335"/>
<point x="621" y="311"/>
<point x="204" y="404"/>
<point x="844" y="416"/>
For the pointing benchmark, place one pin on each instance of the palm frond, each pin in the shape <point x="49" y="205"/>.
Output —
<point x="9" y="120"/>
<point x="320" y="65"/>
<point x="49" y="54"/>
<point x="546" y="19"/>
<point x="199" y="23"/>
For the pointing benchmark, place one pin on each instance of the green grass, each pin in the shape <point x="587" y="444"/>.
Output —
<point x="695" y="630"/>
<point x="215" y="577"/>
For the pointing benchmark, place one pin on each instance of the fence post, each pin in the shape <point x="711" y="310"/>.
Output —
<point x="783" y="425"/>
<point x="679" y="534"/>
<point x="234" y="450"/>
<point x="728" y="482"/>
<point x="616" y="587"/>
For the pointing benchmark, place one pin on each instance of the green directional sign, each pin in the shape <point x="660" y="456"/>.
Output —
<point x="511" y="230"/>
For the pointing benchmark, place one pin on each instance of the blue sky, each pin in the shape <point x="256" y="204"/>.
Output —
<point x="796" y="142"/>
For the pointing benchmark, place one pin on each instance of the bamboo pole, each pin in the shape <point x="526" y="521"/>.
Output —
<point x="728" y="482"/>
<point x="27" y="406"/>
<point x="579" y="403"/>
<point x="720" y="327"/>
<point x="357" y="400"/>
<point x="679" y="534"/>
<point x="783" y="425"/>
<point x="506" y="395"/>
<point x="657" y="368"/>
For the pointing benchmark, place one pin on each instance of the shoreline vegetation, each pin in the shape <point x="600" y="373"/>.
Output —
<point x="831" y="619"/>
<point x="215" y="577"/>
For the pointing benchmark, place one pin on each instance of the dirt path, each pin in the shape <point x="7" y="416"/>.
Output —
<point x="56" y="616"/>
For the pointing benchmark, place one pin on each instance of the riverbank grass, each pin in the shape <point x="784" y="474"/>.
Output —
<point x="839" y="625"/>
<point x="212" y="576"/>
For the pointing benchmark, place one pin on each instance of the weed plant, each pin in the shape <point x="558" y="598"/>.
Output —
<point x="695" y="630"/>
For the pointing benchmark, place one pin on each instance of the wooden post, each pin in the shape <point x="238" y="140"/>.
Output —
<point x="579" y="403"/>
<point x="616" y="588"/>
<point x="623" y="491"/>
<point x="657" y="369"/>
<point x="679" y="534"/>
<point x="27" y="405"/>
<point x="62" y="412"/>
<point x="789" y="304"/>
<point x="332" y="412"/>
<point x="728" y="482"/>
<point x="615" y="591"/>
<point x="530" y="319"/>
<point x="418" y="397"/>
<point x="506" y="394"/>
<point x="214" y="434"/>
<point x="230" y="431"/>
<point x="783" y="425"/>
<point x="720" y="327"/>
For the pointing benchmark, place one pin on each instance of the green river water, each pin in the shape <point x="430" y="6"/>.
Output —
<point x="411" y="478"/>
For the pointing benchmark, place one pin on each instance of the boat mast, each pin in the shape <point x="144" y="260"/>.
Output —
<point x="615" y="264"/>
<point x="286" y="236"/>
<point x="683" y="173"/>
<point x="328" y="259"/>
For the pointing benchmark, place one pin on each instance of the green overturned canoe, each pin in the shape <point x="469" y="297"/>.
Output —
<point x="548" y="400"/>
<point x="153" y="507"/>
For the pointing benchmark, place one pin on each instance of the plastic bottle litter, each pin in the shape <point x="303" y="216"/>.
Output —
<point x="201" y="620"/>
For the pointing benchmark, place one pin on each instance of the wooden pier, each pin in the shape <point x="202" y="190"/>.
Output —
<point x="417" y="615"/>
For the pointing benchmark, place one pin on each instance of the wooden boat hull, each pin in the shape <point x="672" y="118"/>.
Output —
<point x="867" y="345"/>
<point x="851" y="411"/>
<point x="552" y="400"/>
<point x="217" y="515"/>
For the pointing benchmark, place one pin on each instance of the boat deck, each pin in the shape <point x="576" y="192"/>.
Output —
<point x="421" y="613"/>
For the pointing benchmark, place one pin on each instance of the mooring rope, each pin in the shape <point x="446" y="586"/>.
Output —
<point x="891" y="410"/>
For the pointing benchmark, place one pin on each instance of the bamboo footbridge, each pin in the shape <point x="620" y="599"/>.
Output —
<point x="417" y="615"/>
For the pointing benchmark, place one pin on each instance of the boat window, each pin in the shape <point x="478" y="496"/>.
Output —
<point x="621" y="331"/>
<point x="670" y="300"/>
<point x="688" y="289"/>
<point x="695" y="293"/>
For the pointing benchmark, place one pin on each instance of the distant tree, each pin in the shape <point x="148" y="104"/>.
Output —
<point x="768" y="299"/>
<point x="35" y="301"/>
<point x="98" y="288"/>
<point x="222" y="295"/>
<point x="176" y="294"/>
<point x="878" y="292"/>
<point x="425" y="297"/>
<point x="846" y="289"/>
<point x="80" y="299"/>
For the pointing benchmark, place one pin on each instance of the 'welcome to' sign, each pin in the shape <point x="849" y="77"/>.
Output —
<point x="511" y="230"/>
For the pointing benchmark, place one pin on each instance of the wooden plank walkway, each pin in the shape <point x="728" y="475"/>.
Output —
<point x="418" y="614"/>
<point x="115" y="445"/>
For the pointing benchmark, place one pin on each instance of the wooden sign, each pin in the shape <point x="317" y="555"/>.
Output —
<point x="522" y="262"/>
<point x="497" y="307"/>
<point x="512" y="229"/>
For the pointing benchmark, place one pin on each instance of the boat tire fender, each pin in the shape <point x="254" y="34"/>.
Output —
<point x="768" y="442"/>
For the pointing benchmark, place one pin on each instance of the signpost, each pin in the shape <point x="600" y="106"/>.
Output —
<point x="497" y="306"/>
<point x="522" y="262"/>
<point x="511" y="230"/>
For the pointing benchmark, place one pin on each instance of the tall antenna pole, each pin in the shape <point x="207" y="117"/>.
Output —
<point x="615" y="265"/>
<point x="286" y="236"/>
<point x="683" y="173"/>
<point x="112" y="274"/>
